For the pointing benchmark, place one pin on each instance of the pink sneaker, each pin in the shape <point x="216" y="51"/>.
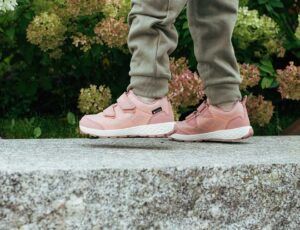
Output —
<point x="130" y="117"/>
<point x="210" y="123"/>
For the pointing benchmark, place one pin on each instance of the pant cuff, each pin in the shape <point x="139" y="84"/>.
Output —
<point x="224" y="93"/>
<point x="153" y="87"/>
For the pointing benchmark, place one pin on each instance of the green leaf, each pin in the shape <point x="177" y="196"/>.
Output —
<point x="266" y="62"/>
<point x="71" y="118"/>
<point x="262" y="1"/>
<point x="46" y="83"/>
<point x="297" y="54"/>
<point x="266" y="82"/>
<point x="10" y="33"/>
<point x="12" y="123"/>
<point x="185" y="25"/>
<point x="37" y="132"/>
<point x="32" y="120"/>
<point x="28" y="15"/>
<point x="267" y="66"/>
<point x="27" y="52"/>
<point x="269" y="8"/>
<point x="267" y="69"/>
<point x="29" y="121"/>
<point x="277" y="4"/>
<point x="8" y="59"/>
<point x="294" y="44"/>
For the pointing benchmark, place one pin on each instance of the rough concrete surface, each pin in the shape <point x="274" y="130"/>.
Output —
<point x="149" y="184"/>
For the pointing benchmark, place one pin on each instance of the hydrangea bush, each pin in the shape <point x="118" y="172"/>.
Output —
<point x="289" y="82"/>
<point x="61" y="46"/>
<point x="260" y="111"/>
<point x="250" y="75"/>
<point x="93" y="100"/>
<point x="185" y="88"/>
<point x="113" y="32"/>
<point x="7" y="5"/>
<point x="47" y="31"/>
<point x="259" y="30"/>
<point x="116" y="8"/>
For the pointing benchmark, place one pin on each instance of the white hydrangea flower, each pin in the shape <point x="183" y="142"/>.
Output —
<point x="6" y="5"/>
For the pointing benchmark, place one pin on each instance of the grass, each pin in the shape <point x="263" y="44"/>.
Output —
<point x="39" y="127"/>
<point x="276" y="126"/>
<point x="67" y="127"/>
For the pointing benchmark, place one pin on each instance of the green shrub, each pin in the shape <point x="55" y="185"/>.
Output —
<point x="49" y="50"/>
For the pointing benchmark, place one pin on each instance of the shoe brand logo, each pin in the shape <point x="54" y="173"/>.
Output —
<point x="156" y="110"/>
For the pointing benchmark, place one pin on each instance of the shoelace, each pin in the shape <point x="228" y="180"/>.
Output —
<point x="199" y="110"/>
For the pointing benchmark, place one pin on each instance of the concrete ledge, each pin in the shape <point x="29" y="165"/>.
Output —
<point x="149" y="184"/>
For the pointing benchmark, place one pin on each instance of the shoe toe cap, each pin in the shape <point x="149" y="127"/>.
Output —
<point x="90" y="121"/>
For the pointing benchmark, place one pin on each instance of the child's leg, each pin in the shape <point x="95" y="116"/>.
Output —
<point x="211" y="23"/>
<point x="223" y="117"/>
<point x="152" y="38"/>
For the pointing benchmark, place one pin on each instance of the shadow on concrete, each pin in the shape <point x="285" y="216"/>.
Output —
<point x="226" y="143"/>
<point x="126" y="146"/>
<point x="213" y="142"/>
<point x="160" y="145"/>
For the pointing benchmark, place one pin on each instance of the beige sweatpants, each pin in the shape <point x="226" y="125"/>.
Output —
<point x="153" y="37"/>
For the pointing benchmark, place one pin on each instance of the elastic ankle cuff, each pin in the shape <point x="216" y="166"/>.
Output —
<point x="225" y="93"/>
<point x="148" y="86"/>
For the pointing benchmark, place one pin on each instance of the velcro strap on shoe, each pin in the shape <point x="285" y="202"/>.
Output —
<point x="110" y="111"/>
<point x="125" y="103"/>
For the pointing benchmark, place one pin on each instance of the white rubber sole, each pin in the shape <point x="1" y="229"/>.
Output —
<point x="153" y="130"/>
<point x="221" y="135"/>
